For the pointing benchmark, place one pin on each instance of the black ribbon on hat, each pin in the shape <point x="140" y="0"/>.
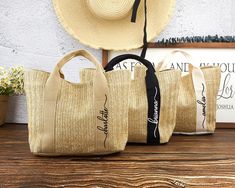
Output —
<point x="133" y="19"/>
<point x="152" y="86"/>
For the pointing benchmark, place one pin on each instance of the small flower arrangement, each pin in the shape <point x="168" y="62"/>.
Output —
<point x="11" y="81"/>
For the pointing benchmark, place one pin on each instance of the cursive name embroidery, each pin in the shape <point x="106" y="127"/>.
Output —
<point x="227" y="90"/>
<point x="104" y="118"/>
<point x="154" y="120"/>
<point x="203" y="104"/>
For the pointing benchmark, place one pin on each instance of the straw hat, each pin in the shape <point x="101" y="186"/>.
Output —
<point x="106" y="24"/>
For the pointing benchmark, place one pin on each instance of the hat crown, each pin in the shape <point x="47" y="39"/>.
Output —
<point x="110" y="9"/>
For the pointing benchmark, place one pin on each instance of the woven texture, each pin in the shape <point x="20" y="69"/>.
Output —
<point x="75" y="121"/>
<point x="138" y="105"/>
<point x="186" y="110"/>
<point x="106" y="24"/>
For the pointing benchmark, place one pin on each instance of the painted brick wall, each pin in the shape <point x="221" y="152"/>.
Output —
<point x="30" y="35"/>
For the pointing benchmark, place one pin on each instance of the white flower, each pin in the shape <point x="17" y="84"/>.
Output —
<point x="11" y="81"/>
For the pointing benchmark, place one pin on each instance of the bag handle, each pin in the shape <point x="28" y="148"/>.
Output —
<point x="151" y="79"/>
<point x="100" y="80"/>
<point x="153" y="95"/>
<point x="165" y="63"/>
<point x="72" y="55"/>
<point x="123" y="57"/>
<point x="199" y="85"/>
<point x="51" y="90"/>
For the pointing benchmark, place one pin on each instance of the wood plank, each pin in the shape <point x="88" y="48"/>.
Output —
<point x="194" y="45"/>
<point x="228" y="45"/>
<point x="225" y="125"/>
<point x="187" y="161"/>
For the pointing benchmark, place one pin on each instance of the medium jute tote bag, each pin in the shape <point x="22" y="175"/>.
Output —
<point x="88" y="118"/>
<point x="196" y="110"/>
<point x="152" y="102"/>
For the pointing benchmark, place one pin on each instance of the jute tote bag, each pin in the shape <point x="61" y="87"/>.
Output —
<point x="88" y="118"/>
<point x="152" y="102"/>
<point x="196" y="110"/>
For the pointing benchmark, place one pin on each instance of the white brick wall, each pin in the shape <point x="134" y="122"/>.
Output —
<point x="30" y="35"/>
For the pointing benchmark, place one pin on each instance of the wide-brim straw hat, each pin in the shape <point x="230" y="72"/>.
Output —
<point x="106" y="24"/>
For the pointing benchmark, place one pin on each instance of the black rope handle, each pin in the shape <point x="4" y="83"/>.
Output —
<point x="151" y="79"/>
<point x="153" y="95"/>
<point x="123" y="57"/>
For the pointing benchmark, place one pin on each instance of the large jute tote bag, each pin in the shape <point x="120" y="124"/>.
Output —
<point x="88" y="118"/>
<point x="196" y="110"/>
<point x="152" y="102"/>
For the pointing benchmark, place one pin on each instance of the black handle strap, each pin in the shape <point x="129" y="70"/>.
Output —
<point x="133" y="19"/>
<point x="123" y="57"/>
<point x="153" y="95"/>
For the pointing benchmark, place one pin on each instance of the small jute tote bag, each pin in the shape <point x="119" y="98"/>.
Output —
<point x="196" y="110"/>
<point x="88" y="118"/>
<point x="152" y="102"/>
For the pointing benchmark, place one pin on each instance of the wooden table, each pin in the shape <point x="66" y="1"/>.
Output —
<point x="187" y="161"/>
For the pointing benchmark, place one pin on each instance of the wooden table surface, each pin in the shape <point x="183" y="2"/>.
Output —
<point x="187" y="161"/>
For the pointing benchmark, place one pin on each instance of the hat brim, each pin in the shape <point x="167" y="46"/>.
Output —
<point x="121" y="34"/>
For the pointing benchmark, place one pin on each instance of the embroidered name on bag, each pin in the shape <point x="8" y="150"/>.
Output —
<point x="154" y="120"/>
<point x="203" y="104"/>
<point x="104" y="118"/>
<point x="154" y="105"/>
